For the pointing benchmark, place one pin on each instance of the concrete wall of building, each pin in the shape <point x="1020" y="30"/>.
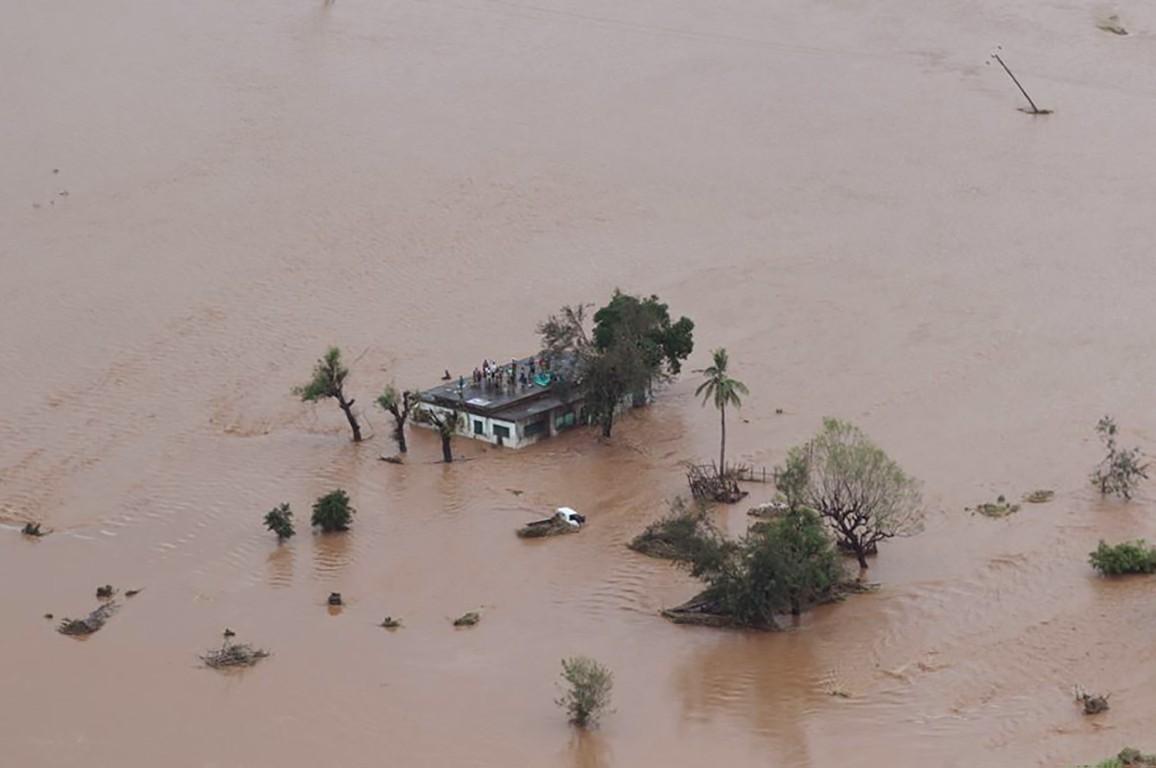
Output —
<point x="509" y="434"/>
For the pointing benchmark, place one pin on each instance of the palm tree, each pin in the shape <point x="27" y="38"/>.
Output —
<point x="717" y="386"/>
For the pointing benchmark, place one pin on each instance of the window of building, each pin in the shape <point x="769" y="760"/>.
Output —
<point x="479" y="427"/>
<point x="535" y="427"/>
<point x="502" y="432"/>
<point x="565" y="420"/>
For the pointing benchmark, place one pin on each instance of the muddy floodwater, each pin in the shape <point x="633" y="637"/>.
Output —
<point x="197" y="198"/>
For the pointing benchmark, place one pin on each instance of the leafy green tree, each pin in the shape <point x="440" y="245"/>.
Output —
<point x="1122" y="469"/>
<point x="332" y="512"/>
<point x="862" y="493"/>
<point x="587" y="693"/>
<point x="329" y="377"/>
<point x="645" y="323"/>
<point x="785" y="565"/>
<point x="633" y="345"/>
<point x="718" y="387"/>
<point x="608" y="377"/>
<point x="400" y="405"/>
<point x="279" y="520"/>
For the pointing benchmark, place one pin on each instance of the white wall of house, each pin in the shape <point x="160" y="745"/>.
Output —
<point x="479" y="427"/>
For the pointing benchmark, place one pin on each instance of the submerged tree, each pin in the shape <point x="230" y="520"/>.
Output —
<point x="632" y="346"/>
<point x="645" y="324"/>
<point x="587" y="693"/>
<point x="1121" y="469"/>
<point x="332" y="512"/>
<point x="400" y="405"/>
<point x="447" y="422"/>
<point x="861" y="492"/>
<point x="329" y="381"/>
<point x="785" y="565"/>
<point x="718" y="387"/>
<point x="279" y="520"/>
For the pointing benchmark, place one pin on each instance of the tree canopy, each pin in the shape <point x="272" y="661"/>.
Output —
<point x="785" y="565"/>
<point x="328" y="380"/>
<point x="632" y="345"/>
<point x="862" y="493"/>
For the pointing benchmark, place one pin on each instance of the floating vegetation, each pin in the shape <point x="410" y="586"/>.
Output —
<point x="1040" y="496"/>
<point x="32" y="529"/>
<point x="468" y="619"/>
<point x="1093" y="704"/>
<point x="91" y="623"/>
<point x="106" y="592"/>
<point x="1001" y="508"/>
<point x="232" y="654"/>
<point x="391" y="623"/>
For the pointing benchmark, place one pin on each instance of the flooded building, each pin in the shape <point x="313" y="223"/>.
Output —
<point x="513" y="404"/>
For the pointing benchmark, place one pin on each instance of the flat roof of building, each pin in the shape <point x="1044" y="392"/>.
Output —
<point x="513" y="403"/>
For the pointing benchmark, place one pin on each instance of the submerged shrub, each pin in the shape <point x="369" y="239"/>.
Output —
<point x="1128" y="758"/>
<point x="678" y="535"/>
<point x="587" y="695"/>
<point x="332" y="512"/>
<point x="1128" y="557"/>
<point x="1121" y="470"/>
<point x="279" y="520"/>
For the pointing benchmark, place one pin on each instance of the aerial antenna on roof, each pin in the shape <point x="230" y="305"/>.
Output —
<point x="1034" y="110"/>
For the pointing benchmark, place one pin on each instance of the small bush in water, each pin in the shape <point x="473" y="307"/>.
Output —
<point x="332" y="512"/>
<point x="279" y="520"/>
<point x="1128" y="557"/>
<point x="1121" y="470"/>
<point x="587" y="693"/>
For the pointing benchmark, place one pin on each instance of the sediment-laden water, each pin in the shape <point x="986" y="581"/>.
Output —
<point x="198" y="198"/>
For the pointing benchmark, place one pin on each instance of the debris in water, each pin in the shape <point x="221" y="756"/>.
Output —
<point x="229" y="633"/>
<point x="392" y="459"/>
<point x="1001" y="508"/>
<point x="467" y="619"/>
<point x="132" y="592"/>
<point x="106" y="592"/>
<point x="335" y="598"/>
<point x="1034" y="109"/>
<point x="1040" y="496"/>
<point x="1093" y="704"/>
<point x="32" y="529"/>
<point x="769" y="510"/>
<point x="391" y="623"/>
<point x="86" y="626"/>
<point x="48" y="616"/>
<point x="233" y="655"/>
<point x="1112" y="24"/>
<point x="516" y="491"/>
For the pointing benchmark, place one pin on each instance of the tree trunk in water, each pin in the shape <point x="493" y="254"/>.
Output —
<point x="722" y="451"/>
<point x="862" y="556"/>
<point x="447" y="453"/>
<point x="399" y="435"/>
<point x="796" y="608"/>
<point x="607" y="424"/>
<point x="347" y="407"/>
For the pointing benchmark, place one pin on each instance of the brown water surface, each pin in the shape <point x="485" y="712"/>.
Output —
<point x="197" y="198"/>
